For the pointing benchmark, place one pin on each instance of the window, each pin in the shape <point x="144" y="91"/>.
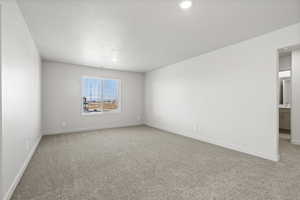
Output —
<point x="100" y="95"/>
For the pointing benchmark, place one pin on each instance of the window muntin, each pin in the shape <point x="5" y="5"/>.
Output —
<point x="100" y="95"/>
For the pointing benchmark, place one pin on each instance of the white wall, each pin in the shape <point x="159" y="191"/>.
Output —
<point x="21" y="113"/>
<point x="295" y="114"/>
<point x="1" y="146"/>
<point x="227" y="97"/>
<point x="61" y="99"/>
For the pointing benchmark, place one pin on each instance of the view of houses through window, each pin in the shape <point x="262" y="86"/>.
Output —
<point x="100" y="95"/>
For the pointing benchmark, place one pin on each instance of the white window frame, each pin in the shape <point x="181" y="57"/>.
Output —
<point x="102" y="112"/>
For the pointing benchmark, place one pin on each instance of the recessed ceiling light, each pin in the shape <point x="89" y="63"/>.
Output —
<point x="186" y="4"/>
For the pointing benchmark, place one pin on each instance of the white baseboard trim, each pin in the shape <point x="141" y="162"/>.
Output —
<point x="220" y="143"/>
<point x="17" y="179"/>
<point x="78" y="130"/>
<point x="296" y="142"/>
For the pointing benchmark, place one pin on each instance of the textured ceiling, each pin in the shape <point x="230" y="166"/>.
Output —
<point x="141" y="35"/>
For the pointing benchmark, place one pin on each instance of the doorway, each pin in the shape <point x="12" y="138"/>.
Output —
<point x="288" y="97"/>
<point x="285" y="93"/>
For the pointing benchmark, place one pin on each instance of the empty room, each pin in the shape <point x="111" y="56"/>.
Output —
<point x="150" y="100"/>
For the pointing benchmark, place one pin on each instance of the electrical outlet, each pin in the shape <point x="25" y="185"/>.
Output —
<point x="195" y="128"/>
<point x="198" y="128"/>
<point x="63" y="124"/>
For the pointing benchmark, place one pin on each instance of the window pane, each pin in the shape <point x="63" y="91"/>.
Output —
<point x="110" y="95"/>
<point x="92" y="96"/>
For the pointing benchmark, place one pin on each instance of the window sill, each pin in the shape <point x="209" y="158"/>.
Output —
<point x="100" y="113"/>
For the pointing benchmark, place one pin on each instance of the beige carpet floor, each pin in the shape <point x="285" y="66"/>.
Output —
<point x="142" y="163"/>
